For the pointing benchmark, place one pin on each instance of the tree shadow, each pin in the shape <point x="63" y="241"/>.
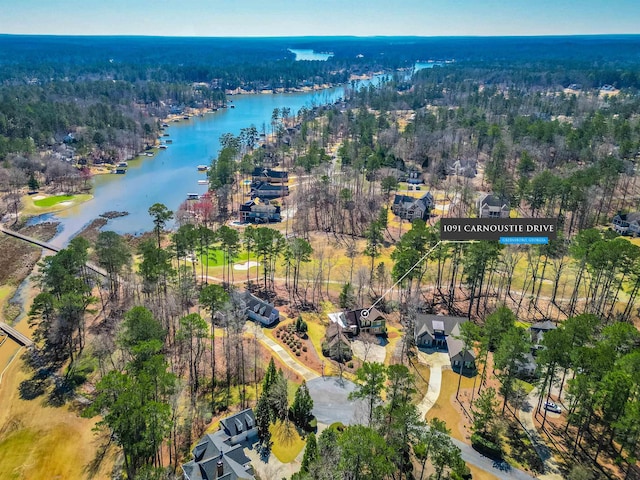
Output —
<point x="33" y="388"/>
<point x="522" y="449"/>
<point x="93" y="467"/>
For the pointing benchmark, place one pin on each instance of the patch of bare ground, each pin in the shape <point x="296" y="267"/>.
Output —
<point x="561" y="439"/>
<point x="19" y="257"/>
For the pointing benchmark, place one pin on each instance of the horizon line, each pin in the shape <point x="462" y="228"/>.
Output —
<point x="548" y="35"/>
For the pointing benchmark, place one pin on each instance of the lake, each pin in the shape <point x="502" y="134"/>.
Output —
<point x="311" y="55"/>
<point x="172" y="173"/>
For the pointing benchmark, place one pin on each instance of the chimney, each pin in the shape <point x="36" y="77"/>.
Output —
<point x="219" y="469"/>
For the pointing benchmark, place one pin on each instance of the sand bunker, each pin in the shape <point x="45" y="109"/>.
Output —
<point x="245" y="266"/>
<point x="65" y="204"/>
<point x="38" y="197"/>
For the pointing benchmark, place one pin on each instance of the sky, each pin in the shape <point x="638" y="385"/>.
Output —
<point x="257" y="18"/>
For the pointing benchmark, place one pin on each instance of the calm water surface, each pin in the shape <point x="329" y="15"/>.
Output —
<point x="303" y="54"/>
<point x="172" y="173"/>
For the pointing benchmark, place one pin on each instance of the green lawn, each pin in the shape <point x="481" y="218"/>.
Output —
<point x="287" y="443"/>
<point x="51" y="204"/>
<point x="51" y="201"/>
<point x="216" y="258"/>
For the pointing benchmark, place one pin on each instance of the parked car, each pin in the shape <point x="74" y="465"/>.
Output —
<point x="552" y="407"/>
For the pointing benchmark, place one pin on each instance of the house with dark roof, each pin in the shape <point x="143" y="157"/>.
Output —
<point x="528" y="367"/>
<point x="410" y="208"/>
<point x="260" y="310"/>
<point x="492" y="206"/>
<point x="240" y="426"/>
<point x="220" y="455"/>
<point x="336" y="344"/>
<point x="353" y="322"/>
<point x="627" y="223"/>
<point x="441" y="332"/>
<point x="257" y="212"/>
<point x="264" y="190"/>
<point x="537" y="331"/>
<point x="262" y="174"/>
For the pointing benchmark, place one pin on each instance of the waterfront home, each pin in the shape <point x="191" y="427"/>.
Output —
<point x="220" y="455"/>
<point x="442" y="332"/>
<point x="269" y="175"/>
<point x="627" y="223"/>
<point x="492" y="206"/>
<point x="265" y="190"/>
<point x="410" y="208"/>
<point x="255" y="212"/>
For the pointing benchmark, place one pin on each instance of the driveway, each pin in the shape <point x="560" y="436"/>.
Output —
<point x="435" y="361"/>
<point x="552" y="472"/>
<point x="331" y="403"/>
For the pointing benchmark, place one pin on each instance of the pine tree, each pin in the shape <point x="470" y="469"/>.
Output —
<point x="263" y="419"/>
<point x="269" y="377"/>
<point x="302" y="406"/>
<point x="310" y="453"/>
<point x="33" y="183"/>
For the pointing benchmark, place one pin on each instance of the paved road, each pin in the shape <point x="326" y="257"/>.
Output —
<point x="331" y="401"/>
<point x="476" y="459"/>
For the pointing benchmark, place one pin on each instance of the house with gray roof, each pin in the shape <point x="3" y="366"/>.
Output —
<point x="410" y="208"/>
<point x="260" y="310"/>
<point x="627" y="223"/>
<point x="537" y="331"/>
<point x="528" y="367"/>
<point x="220" y="455"/>
<point x="441" y="332"/>
<point x="269" y="175"/>
<point x="492" y="206"/>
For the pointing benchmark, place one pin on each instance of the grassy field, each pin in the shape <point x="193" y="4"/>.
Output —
<point x="287" y="444"/>
<point x="51" y="204"/>
<point x="34" y="438"/>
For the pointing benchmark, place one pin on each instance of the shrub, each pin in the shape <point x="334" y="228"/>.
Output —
<point x="350" y="365"/>
<point x="304" y="348"/>
<point x="486" y="447"/>
<point x="297" y="353"/>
